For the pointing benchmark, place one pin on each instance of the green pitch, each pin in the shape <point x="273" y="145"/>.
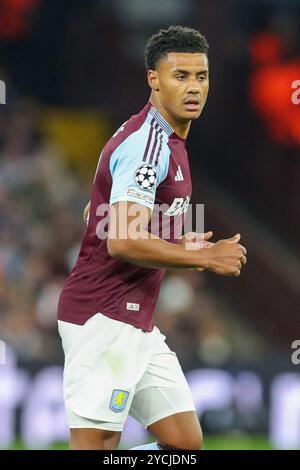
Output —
<point x="217" y="442"/>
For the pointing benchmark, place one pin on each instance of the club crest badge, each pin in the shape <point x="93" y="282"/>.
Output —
<point x="118" y="400"/>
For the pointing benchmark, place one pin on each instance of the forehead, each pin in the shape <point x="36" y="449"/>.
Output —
<point x="190" y="61"/>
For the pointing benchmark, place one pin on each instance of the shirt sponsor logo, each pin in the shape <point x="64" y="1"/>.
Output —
<point x="140" y="195"/>
<point x="179" y="206"/>
<point x="118" y="400"/>
<point x="134" y="307"/>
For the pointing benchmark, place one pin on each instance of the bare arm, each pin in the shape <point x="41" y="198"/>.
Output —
<point x="130" y="241"/>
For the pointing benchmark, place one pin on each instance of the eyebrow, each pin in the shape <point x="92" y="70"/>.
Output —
<point x="205" y="71"/>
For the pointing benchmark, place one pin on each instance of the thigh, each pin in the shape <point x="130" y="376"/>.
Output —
<point x="153" y="404"/>
<point x="93" y="439"/>
<point x="163" y="369"/>
<point x="104" y="360"/>
<point x="178" y="431"/>
<point x="163" y="390"/>
<point x="91" y="434"/>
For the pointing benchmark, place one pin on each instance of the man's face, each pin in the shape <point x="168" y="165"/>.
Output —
<point x="182" y="82"/>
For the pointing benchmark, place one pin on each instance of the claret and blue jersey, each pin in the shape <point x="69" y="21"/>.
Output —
<point x="144" y="162"/>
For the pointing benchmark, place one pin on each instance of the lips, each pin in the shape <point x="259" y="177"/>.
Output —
<point x="192" y="105"/>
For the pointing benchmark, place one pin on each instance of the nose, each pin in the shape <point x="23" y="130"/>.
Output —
<point x="194" y="86"/>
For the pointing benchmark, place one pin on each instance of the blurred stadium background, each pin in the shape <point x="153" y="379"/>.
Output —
<point x="74" y="72"/>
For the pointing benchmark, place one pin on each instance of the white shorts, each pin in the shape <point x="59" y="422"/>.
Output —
<point x="113" y="369"/>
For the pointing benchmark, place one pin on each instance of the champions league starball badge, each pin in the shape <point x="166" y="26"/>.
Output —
<point x="145" y="176"/>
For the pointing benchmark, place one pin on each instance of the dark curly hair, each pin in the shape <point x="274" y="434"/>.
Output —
<point x="173" y="39"/>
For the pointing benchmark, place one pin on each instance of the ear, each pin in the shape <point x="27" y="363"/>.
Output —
<point x="153" y="80"/>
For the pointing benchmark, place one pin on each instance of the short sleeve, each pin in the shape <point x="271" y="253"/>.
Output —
<point x="134" y="178"/>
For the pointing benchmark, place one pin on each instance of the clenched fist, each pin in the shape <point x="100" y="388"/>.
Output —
<point x="227" y="257"/>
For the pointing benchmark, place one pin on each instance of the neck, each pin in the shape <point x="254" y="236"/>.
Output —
<point x="181" y="128"/>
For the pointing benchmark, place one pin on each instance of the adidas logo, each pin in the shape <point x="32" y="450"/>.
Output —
<point x="179" y="175"/>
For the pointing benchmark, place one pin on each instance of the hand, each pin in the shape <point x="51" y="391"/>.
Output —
<point x="227" y="257"/>
<point x="196" y="241"/>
